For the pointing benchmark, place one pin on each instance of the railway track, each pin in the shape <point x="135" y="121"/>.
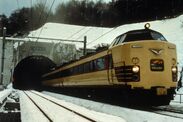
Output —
<point x="47" y="116"/>
<point x="130" y="113"/>
<point x="54" y="108"/>
<point x="169" y="110"/>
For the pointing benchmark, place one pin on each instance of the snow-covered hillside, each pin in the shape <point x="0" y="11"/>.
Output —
<point x="172" y="29"/>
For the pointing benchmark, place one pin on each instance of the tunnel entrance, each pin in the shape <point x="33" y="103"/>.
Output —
<point x="27" y="74"/>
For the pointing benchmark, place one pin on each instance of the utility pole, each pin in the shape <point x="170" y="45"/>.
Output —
<point x="84" y="49"/>
<point x="3" y="51"/>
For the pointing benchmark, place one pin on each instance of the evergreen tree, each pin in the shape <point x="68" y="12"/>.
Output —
<point x="90" y="13"/>
<point x="3" y="23"/>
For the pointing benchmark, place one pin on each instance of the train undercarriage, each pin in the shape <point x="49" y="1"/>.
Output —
<point x="122" y="96"/>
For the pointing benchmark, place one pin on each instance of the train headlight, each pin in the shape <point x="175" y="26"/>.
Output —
<point x="174" y="69"/>
<point x="135" y="69"/>
<point x="174" y="73"/>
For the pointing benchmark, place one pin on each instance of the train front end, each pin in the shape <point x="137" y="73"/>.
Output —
<point x="145" y="63"/>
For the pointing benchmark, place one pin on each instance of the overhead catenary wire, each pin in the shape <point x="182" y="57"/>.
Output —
<point x="76" y="32"/>
<point x="39" y="20"/>
<point x="18" y="5"/>
<point x="101" y="35"/>
<point x="31" y="19"/>
<point x="46" y="19"/>
<point x="67" y="37"/>
<point x="42" y="12"/>
<point x="84" y="33"/>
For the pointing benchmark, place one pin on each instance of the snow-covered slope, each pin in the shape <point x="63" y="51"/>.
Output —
<point x="69" y="32"/>
<point x="172" y="29"/>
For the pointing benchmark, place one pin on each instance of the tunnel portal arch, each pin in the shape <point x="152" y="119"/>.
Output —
<point x="27" y="73"/>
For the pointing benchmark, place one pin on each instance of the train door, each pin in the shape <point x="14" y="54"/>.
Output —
<point x="109" y="64"/>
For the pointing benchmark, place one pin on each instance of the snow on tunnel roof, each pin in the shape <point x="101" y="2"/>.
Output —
<point x="69" y="32"/>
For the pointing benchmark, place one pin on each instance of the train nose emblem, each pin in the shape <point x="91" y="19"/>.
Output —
<point x="156" y="51"/>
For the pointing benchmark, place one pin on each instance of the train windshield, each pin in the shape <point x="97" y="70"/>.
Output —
<point x="139" y="36"/>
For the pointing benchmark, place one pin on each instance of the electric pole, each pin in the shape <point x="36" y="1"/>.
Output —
<point x="3" y="51"/>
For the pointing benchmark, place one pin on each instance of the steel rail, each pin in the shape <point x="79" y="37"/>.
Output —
<point x="38" y="107"/>
<point x="65" y="108"/>
<point x="164" y="111"/>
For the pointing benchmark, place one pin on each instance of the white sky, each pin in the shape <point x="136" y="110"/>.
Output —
<point x="8" y="6"/>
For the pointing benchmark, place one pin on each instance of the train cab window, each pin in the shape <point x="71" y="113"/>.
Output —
<point x="143" y="35"/>
<point x="122" y="38"/>
<point x="158" y="36"/>
<point x="119" y="39"/>
<point x="116" y="40"/>
<point x="138" y="36"/>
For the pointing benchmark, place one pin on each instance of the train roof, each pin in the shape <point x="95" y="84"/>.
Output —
<point x="146" y="29"/>
<point x="138" y="35"/>
<point x="140" y="31"/>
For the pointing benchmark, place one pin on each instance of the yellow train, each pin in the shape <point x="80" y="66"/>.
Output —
<point x="140" y="62"/>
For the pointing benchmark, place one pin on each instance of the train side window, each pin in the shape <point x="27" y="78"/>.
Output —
<point x="71" y="71"/>
<point x="100" y="63"/>
<point x="91" y="66"/>
<point x="61" y="74"/>
<point x="57" y="75"/>
<point x="67" y="72"/>
<point x="80" y="69"/>
<point x="75" y="70"/>
<point x="87" y="67"/>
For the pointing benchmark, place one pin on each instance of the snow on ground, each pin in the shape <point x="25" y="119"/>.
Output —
<point x="4" y="94"/>
<point x="31" y="113"/>
<point x="129" y="115"/>
<point x="180" y="91"/>
<point x="179" y="95"/>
